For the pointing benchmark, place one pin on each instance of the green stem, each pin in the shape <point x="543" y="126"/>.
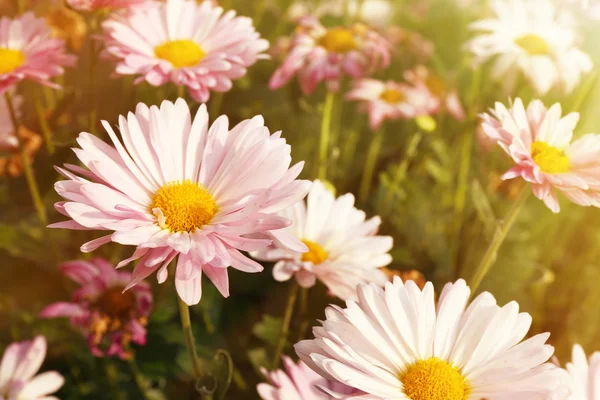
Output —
<point x="210" y="328"/>
<point x="138" y="378"/>
<point x="46" y="132"/>
<point x="501" y="231"/>
<point x="325" y="134"/>
<point x="302" y="312"/>
<point x="402" y="168"/>
<point x="92" y="78"/>
<point x="190" y="342"/>
<point x="287" y="318"/>
<point x="215" y="105"/>
<point x="181" y="92"/>
<point x="367" y="178"/>
<point x="33" y="187"/>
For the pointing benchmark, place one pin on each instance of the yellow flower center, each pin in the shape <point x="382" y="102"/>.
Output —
<point x="533" y="44"/>
<point x="551" y="160"/>
<point x="186" y="206"/>
<point x="180" y="53"/>
<point x="338" y="40"/>
<point x="391" y="96"/>
<point x="434" y="379"/>
<point x="315" y="254"/>
<point x="10" y="60"/>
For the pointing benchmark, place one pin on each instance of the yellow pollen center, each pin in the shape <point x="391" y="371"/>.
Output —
<point x="315" y="254"/>
<point x="550" y="159"/>
<point x="391" y="96"/>
<point x="186" y="206"/>
<point x="533" y="44"/>
<point x="338" y="40"/>
<point x="434" y="379"/>
<point x="180" y="53"/>
<point x="10" y="60"/>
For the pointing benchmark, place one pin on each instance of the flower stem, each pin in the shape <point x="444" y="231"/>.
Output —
<point x="367" y="178"/>
<point x="92" y="77"/>
<point x="215" y="105"/>
<point x="33" y="187"/>
<point x="501" y="231"/>
<point x="325" y="133"/>
<point x="190" y="342"/>
<point x="181" y="92"/>
<point x="138" y="378"/>
<point x="46" y="132"/>
<point x="285" y="327"/>
<point x="400" y="174"/>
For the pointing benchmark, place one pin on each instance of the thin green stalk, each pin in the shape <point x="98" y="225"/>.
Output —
<point x="33" y="186"/>
<point x="92" y="78"/>
<point x="181" y="92"/>
<point x="215" y="105"/>
<point x="402" y="168"/>
<point x="287" y="318"/>
<point x="190" y="342"/>
<point x="367" y="178"/>
<point x="303" y="312"/>
<point x="501" y="231"/>
<point x="46" y="132"/>
<point x="461" y="188"/>
<point x="138" y="378"/>
<point x="325" y="134"/>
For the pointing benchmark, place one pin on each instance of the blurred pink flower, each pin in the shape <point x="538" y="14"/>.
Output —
<point x="180" y="187"/>
<point x="93" y="5"/>
<point x="448" y="97"/>
<point x="20" y="362"/>
<point x="320" y="54"/>
<point x="197" y="46"/>
<point x="28" y="51"/>
<point x="393" y="100"/>
<point x="108" y="317"/>
<point x="8" y="140"/>
<point x="539" y="141"/>
<point x="343" y="248"/>
<point x="298" y="382"/>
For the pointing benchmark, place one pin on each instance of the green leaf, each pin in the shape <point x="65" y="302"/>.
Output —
<point x="268" y="330"/>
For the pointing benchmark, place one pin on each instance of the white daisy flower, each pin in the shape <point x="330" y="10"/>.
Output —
<point x="584" y="374"/>
<point x="396" y="344"/>
<point x="528" y="36"/>
<point x="343" y="248"/>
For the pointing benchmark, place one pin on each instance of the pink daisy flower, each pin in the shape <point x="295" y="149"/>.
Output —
<point x="28" y="51"/>
<point x="8" y="140"/>
<point x="539" y="142"/>
<point x="298" y="382"/>
<point x="447" y="96"/>
<point x="20" y="362"/>
<point x="110" y="318"/>
<point x="320" y="54"/>
<point x="197" y="46"/>
<point x="342" y="247"/>
<point x="179" y="187"/>
<point x="93" y="5"/>
<point x="393" y="100"/>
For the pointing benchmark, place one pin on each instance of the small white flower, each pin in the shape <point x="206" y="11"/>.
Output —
<point x="528" y="36"/>
<point x="343" y="248"/>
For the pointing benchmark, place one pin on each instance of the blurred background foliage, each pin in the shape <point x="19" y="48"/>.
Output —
<point x="437" y="190"/>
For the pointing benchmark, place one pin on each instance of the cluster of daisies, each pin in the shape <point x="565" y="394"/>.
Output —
<point x="207" y="196"/>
